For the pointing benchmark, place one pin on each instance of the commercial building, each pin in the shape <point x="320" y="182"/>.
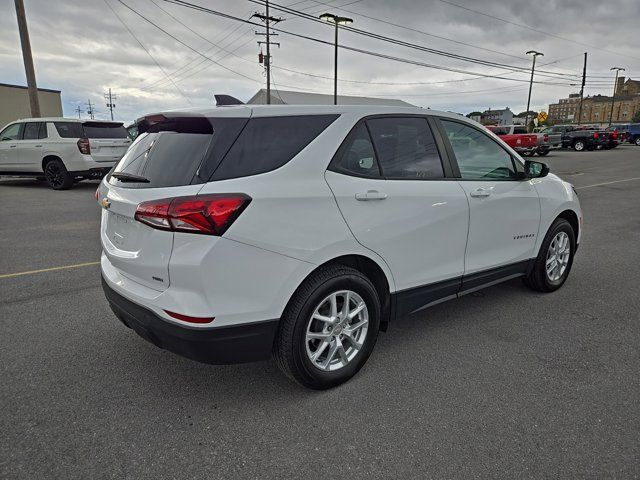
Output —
<point x="566" y="109"/>
<point x="497" y="117"/>
<point x="284" y="97"/>
<point x="597" y="109"/>
<point x="14" y="103"/>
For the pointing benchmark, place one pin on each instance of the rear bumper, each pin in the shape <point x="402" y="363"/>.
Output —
<point x="222" y="345"/>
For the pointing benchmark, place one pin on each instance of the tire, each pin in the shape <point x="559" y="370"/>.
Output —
<point x="57" y="175"/>
<point x="539" y="278"/>
<point x="579" y="145"/>
<point x="637" y="141"/>
<point x="543" y="153"/>
<point x="294" y="351"/>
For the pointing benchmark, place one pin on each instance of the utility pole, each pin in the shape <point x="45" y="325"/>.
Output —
<point x="111" y="97"/>
<point x="584" y="79"/>
<point x="266" y="18"/>
<point x="79" y="110"/>
<point x="91" y="109"/>
<point x="533" y="68"/>
<point x="615" y="86"/>
<point x="32" y="87"/>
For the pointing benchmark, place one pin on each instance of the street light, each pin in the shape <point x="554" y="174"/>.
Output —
<point x="337" y="20"/>
<point x="533" y="67"/>
<point x="613" y="97"/>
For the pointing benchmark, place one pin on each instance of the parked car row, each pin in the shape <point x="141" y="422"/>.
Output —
<point x="61" y="151"/>
<point x="517" y="137"/>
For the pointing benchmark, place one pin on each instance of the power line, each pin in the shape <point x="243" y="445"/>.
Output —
<point x="145" y="49"/>
<point x="555" y="75"/>
<point x="521" y="25"/>
<point x="189" y="46"/>
<point x="359" y="50"/>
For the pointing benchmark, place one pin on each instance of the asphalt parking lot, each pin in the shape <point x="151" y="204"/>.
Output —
<point x="505" y="383"/>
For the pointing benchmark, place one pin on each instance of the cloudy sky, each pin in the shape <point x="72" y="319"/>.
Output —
<point x="82" y="48"/>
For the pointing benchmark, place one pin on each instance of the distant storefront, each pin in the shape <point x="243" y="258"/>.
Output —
<point x="14" y="103"/>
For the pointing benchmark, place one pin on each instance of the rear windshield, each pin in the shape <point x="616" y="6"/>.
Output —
<point x="179" y="151"/>
<point x="104" y="130"/>
<point x="186" y="151"/>
<point x="90" y="130"/>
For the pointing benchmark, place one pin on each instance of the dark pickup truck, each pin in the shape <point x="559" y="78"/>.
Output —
<point x="581" y="138"/>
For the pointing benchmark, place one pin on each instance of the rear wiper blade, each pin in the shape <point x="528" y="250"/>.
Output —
<point x="130" y="177"/>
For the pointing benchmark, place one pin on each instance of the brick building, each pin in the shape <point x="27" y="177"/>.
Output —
<point x="627" y="87"/>
<point x="566" y="109"/>
<point x="597" y="109"/>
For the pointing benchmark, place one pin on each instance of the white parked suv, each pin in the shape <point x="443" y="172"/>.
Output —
<point x="61" y="150"/>
<point x="234" y="233"/>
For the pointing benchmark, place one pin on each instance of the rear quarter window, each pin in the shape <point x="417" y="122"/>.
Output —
<point x="267" y="143"/>
<point x="69" y="129"/>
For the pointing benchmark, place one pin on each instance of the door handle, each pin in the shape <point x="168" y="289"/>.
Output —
<point x="12" y="146"/>
<point x="38" y="146"/>
<point x="371" y="195"/>
<point x="480" y="192"/>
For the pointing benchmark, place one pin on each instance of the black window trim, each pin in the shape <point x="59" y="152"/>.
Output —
<point x="452" y="155"/>
<point x="445" y="158"/>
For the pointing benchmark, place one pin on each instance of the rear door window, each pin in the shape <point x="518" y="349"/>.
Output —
<point x="406" y="148"/>
<point x="356" y="155"/>
<point x="267" y="143"/>
<point x="32" y="131"/>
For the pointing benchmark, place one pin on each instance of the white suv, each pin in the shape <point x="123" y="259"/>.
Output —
<point x="232" y="233"/>
<point x="61" y="150"/>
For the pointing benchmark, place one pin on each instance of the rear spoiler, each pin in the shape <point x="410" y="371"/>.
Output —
<point x="222" y="100"/>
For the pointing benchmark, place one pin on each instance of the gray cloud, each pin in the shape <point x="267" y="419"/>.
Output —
<point x="81" y="48"/>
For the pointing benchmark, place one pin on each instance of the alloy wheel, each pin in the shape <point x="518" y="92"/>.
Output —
<point x="337" y="330"/>
<point x="54" y="175"/>
<point x="558" y="256"/>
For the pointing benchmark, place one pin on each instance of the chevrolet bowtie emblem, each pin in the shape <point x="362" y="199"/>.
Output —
<point x="105" y="203"/>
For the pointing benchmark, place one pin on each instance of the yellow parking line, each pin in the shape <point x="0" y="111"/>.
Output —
<point x="77" y="265"/>
<point x="608" y="183"/>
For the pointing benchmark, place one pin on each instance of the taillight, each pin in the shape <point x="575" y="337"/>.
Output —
<point x="84" y="146"/>
<point x="205" y="214"/>
<point x="596" y="135"/>
<point x="614" y="135"/>
<point x="545" y="137"/>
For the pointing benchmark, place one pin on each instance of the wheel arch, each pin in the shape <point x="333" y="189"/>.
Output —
<point x="49" y="157"/>
<point x="369" y="268"/>
<point x="571" y="217"/>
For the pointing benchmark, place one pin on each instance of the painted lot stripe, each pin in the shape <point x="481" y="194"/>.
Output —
<point x="608" y="183"/>
<point x="42" y="270"/>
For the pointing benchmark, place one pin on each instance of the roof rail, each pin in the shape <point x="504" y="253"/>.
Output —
<point x="227" y="100"/>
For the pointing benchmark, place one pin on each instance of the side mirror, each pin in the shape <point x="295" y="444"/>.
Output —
<point x="534" y="169"/>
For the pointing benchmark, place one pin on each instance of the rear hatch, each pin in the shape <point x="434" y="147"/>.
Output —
<point x="171" y="158"/>
<point x="108" y="141"/>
